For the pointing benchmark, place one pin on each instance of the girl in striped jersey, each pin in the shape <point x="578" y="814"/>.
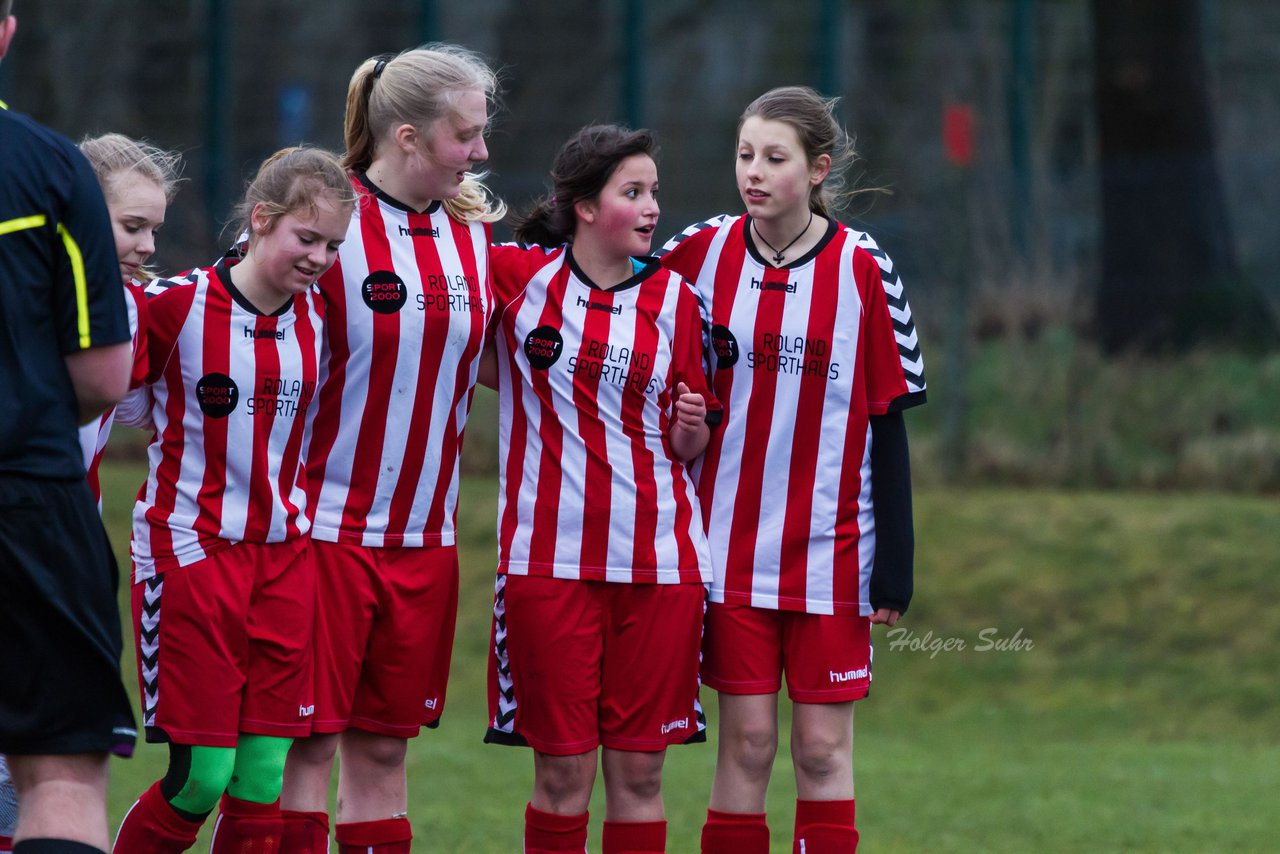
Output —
<point x="138" y="181"/>
<point x="805" y="489"/>
<point x="407" y="305"/>
<point x="224" y="585"/>
<point x="603" y="398"/>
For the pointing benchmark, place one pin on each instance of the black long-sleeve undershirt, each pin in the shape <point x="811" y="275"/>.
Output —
<point x="892" y="574"/>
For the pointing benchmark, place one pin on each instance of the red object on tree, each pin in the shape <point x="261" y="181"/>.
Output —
<point x="957" y="134"/>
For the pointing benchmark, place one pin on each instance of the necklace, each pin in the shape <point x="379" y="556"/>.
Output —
<point x="779" y="253"/>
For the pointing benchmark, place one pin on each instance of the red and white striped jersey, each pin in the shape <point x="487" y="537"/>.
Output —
<point x="230" y="388"/>
<point x="93" y="436"/>
<point x="407" y="304"/>
<point x="588" y="487"/>
<point x="803" y="355"/>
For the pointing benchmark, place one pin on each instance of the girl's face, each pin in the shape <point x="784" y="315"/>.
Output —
<point x="625" y="213"/>
<point x="775" y="177"/>
<point x="453" y="145"/>
<point x="298" y="247"/>
<point x="137" y="205"/>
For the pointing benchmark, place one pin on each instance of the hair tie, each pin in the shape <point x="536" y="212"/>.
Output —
<point x="382" y="63"/>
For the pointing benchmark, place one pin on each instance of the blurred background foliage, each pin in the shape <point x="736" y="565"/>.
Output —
<point x="1097" y="285"/>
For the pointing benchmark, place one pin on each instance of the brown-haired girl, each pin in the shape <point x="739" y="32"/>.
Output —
<point x="223" y="579"/>
<point x="805" y="488"/>
<point x="407" y="306"/>
<point x="603" y="400"/>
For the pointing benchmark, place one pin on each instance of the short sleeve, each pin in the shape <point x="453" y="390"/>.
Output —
<point x="891" y="351"/>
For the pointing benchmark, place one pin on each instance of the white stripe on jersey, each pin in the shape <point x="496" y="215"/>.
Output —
<point x="804" y="355"/>
<point x="604" y="500"/>
<point x="225" y="461"/>
<point x="424" y="335"/>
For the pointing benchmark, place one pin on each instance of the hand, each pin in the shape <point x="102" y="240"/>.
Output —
<point x="690" y="408"/>
<point x="885" y="616"/>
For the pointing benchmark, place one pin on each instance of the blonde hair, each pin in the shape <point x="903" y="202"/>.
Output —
<point x="291" y="180"/>
<point x="418" y="87"/>
<point x="813" y="118"/>
<point x="113" y="154"/>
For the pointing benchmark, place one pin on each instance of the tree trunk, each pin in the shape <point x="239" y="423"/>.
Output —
<point x="1170" y="277"/>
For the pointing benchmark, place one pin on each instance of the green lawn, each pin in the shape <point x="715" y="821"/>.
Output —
<point x="1131" y="708"/>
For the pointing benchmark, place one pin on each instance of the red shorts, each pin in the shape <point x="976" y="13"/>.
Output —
<point x="578" y="664"/>
<point x="224" y="645"/>
<point x="827" y="657"/>
<point x="384" y="636"/>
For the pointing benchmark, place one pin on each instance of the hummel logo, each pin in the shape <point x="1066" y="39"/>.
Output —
<point x="250" y="332"/>
<point x="418" y="232"/>
<point x="760" y="285"/>
<point x="599" y="306"/>
<point x="860" y="673"/>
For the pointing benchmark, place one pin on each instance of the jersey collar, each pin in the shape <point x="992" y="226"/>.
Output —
<point x="649" y="266"/>
<point x="386" y="198"/>
<point x="832" y="227"/>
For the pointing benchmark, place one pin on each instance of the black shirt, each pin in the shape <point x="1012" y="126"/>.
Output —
<point x="60" y="293"/>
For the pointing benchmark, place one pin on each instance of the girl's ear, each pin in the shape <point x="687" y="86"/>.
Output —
<point x="585" y="210"/>
<point x="259" y="221"/>
<point x="820" y="169"/>
<point x="406" y="137"/>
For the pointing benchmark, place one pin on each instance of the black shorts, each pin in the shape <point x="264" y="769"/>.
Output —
<point x="60" y="637"/>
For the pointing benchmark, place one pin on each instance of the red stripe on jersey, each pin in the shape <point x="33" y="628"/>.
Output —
<point x="434" y="335"/>
<point x="740" y="560"/>
<point x="803" y="474"/>
<point x="598" y="476"/>
<point x="546" y="508"/>
<point x="216" y="358"/>
<point x="725" y="288"/>
<point x="267" y="363"/>
<point x="644" y="560"/>
<point x="162" y="340"/>
<point x="367" y="463"/>
<point x="292" y="472"/>
<point x="463" y="379"/>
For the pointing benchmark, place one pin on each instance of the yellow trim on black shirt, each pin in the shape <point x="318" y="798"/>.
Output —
<point x="82" y="290"/>
<point x="22" y="223"/>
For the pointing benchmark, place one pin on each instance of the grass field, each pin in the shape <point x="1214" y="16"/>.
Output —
<point x="1116" y="689"/>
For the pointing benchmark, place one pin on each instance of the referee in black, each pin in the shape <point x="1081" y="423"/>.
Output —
<point x="64" y="358"/>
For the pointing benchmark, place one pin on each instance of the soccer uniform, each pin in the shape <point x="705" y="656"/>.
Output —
<point x="223" y="585"/>
<point x="407" y="302"/>
<point x="598" y="524"/>
<point x="59" y="295"/>
<point x="93" y="436"/>
<point x="805" y="356"/>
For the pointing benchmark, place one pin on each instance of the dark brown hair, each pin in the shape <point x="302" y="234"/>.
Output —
<point x="582" y="167"/>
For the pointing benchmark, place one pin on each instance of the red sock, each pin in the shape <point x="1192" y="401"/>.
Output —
<point x="152" y="827"/>
<point x="735" y="833"/>
<point x="247" y="828"/>
<point x="384" y="836"/>
<point x="634" y="837"/>
<point x="305" y="832"/>
<point x="6" y="845"/>
<point x="825" y="827"/>
<point x="544" y="831"/>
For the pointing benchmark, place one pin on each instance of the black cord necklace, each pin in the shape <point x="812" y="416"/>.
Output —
<point x="779" y="253"/>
